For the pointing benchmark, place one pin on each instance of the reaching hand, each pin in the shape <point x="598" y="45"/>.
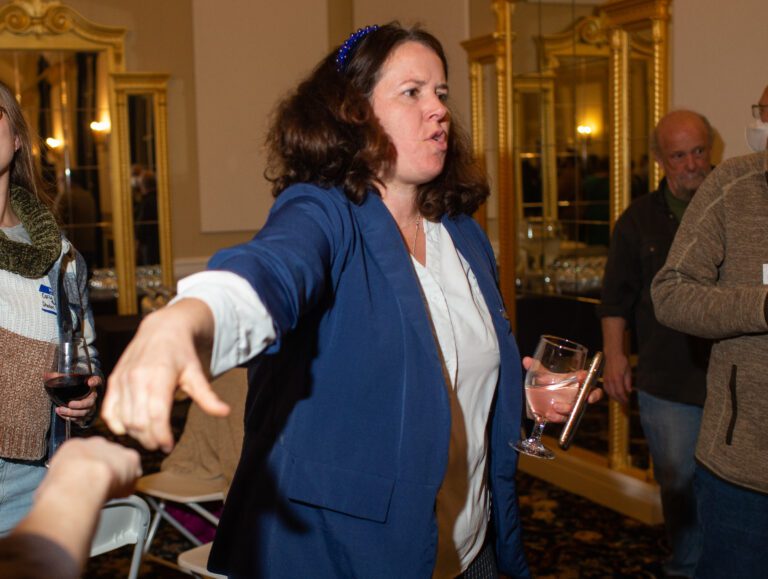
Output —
<point x="559" y="412"/>
<point x="100" y="464"/>
<point x="164" y="355"/>
<point x="617" y="377"/>
<point x="83" y="474"/>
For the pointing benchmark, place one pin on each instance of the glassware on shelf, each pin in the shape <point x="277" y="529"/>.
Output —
<point x="539" y="246"/>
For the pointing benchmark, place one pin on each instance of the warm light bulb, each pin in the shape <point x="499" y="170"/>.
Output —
<point x="53" y="143"/>
<point x="100" y="126"/>
<point x="584" y="130"/>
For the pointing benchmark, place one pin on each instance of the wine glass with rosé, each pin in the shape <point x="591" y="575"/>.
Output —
<point x="553" y="377"/>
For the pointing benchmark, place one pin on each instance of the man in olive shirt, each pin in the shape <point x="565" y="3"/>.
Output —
<point x="671" y="373"/>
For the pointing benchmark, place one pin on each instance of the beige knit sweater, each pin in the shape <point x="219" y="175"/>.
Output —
<point x="714" y="284"/>
<point x="28" y="326"/>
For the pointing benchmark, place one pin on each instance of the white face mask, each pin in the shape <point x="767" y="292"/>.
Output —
<point x="757" y="135"/>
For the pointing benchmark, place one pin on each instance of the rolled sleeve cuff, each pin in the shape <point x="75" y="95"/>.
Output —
<point x="243" y="326"/>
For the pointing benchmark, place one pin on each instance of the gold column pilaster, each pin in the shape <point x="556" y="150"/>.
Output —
<point x="618" y="443"/>
<point x="659" y="96"/>
<point x="549" y="154"/>
<point x="477" y="114"/>
<point x="507" y="213"/>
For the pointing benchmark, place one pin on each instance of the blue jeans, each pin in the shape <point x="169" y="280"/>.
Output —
<point x="735" y="525"/>
<point x="18" y="482"/>
<point x="671" y="430"/>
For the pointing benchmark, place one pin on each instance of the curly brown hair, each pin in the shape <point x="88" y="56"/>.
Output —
<point x="326" y="132"/>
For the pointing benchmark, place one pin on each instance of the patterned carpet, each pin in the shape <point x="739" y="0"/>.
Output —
<point x="565" y="536"/>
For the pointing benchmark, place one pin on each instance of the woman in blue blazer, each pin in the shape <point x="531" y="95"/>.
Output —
<point x="385" y="383"/>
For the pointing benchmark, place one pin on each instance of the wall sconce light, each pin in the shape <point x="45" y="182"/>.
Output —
<point x="100" y="131"/>
<point x="101" y="127"/>
<point x="584" y="132"/>
<point x="54" y="143"/>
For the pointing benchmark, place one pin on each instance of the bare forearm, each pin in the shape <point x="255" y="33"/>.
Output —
<point x="613" y="334"/>
<point x="66" y="510"/>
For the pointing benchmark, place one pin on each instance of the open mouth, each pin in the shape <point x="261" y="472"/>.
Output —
<point x="440" y="137"/>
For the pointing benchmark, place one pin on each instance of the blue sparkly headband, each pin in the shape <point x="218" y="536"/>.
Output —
<point x="348" y="48"/>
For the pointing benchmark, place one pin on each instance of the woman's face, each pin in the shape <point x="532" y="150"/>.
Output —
<point x="8" y="143"/>
<point x="409" y="101"/>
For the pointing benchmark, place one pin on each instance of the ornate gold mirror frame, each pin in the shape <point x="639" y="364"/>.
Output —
<point x="619" y="29"/>
<point x="543" y="86"/>
<point x="624" y="18"/>
<point x="45" y="26"/>
<point x="151" y="90"/>
<point x="492" y="132"/>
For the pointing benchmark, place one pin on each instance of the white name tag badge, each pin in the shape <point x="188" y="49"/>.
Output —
<point x="47" y="302"/>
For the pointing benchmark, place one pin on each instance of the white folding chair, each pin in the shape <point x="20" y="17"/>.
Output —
<point x="165" y="486"/>
<point x="195" y="561"/>
<point x="122" y="522"/>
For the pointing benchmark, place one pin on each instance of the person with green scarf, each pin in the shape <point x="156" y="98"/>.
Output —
<point x="39" y="271"/>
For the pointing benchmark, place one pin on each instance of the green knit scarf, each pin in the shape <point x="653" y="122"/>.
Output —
<point x="31" y="261"/>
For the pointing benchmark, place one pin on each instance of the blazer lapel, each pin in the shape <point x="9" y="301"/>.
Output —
<point x="478" y="261"/>
<point x="386" y="247"/>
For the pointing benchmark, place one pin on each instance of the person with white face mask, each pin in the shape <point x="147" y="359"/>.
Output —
<point x="757" y="131"/>
<point x="714" y="285"/>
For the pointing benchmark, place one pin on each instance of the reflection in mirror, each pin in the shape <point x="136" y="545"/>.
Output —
<point x="143" y="179"/>
<point x="562" y="155"/>
<point x="642" y="167"/>
<point x="68" y="74"/>
<point x="64" y="98"/>
<point x="564" y="133"/>
<point x="562" y="150"/>
<point x="581" y="118"/>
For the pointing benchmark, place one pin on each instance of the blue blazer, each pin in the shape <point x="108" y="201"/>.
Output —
<point x="347" y="417"/>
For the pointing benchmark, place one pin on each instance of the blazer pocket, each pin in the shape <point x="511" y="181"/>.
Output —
<point x="339" y="489"/>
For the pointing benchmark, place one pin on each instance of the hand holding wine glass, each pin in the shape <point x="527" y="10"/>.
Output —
<point x="71" y="383"/>
<point x="551" y="386"/>
<point x="560" y="411"/>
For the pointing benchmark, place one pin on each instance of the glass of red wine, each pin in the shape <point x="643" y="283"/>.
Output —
<point x="68" y="379"/>
<point x="554" y="376"/>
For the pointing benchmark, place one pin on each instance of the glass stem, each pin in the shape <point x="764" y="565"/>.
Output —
<point x="538" y="430"/>
<point x="68" y="433"/>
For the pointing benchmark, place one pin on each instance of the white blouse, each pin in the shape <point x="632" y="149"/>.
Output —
<point x="469" y="346"/>
<point x="470" y="351"/>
